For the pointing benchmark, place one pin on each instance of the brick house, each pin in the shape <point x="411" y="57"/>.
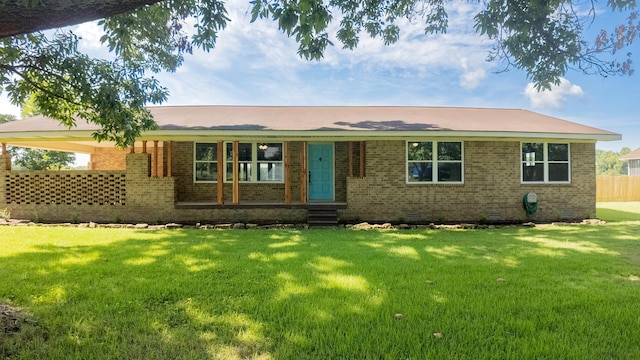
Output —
<point x="633" y="159"/>
<point x="256" y="164"/>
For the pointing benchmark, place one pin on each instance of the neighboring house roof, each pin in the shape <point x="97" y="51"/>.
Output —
<point x="339" y="122"/>
<point x="634" y="155"/>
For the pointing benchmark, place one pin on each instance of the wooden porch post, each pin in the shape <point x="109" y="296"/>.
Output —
<point x="132" y="150"/>
<point x="169" y="151"/>
<point x="236" y="180"/>
<point x="287" y="172"/>
<point x="4" y="148"/>
<point x="221" y="173"/>
<point x="303" y="172"/>
<point x="155" y="158"/>
<point x="144" y="146"/>
<point x="350" y="174"/>
<point x="362" y="152"/>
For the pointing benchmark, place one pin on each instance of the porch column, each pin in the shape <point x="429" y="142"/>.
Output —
<point x="236" y="179"/>
<point x="221" y="173"/>
<point x="132" y="150"/>
<point x="5" y="158"/>
<point x="155" y="158"/>
<point x="91" y="165"/>
<point x="303" y="172"/>
<point x="169" y="162"/>
<point x="144" y="146"/>
<point x="287" y="172"/>
<point x="362" y="152"/>
<point x="350" y="174"/>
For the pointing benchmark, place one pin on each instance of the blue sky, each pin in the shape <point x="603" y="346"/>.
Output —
<point x="255" y="64"/>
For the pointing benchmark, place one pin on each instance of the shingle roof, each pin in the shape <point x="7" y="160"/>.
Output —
<point x="338" y="119"/>
<point x="635" y="154"/>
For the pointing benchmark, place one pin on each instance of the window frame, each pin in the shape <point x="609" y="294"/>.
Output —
<point x="196" y="162"/>
<point x="254" y="163"/>
<point x="545" y="162"/>
<point x="434" y="162"/>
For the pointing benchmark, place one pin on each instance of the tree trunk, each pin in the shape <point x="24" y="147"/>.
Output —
<point x="17" y="19"/>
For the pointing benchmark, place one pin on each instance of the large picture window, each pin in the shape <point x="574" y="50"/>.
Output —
<point x="257" y="162"/>
<point x="545" y="163"/>
<point x="206" y="162"/>
<point x="434" y="162"/>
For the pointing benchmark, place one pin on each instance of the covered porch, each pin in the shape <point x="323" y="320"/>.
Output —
<point x="150" y="186"/>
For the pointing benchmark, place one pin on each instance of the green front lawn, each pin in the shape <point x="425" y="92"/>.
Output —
<point x="546" y="292"/>
<point x="619" y="211"/>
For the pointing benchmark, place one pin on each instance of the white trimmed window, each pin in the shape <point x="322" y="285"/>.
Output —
<point x="257" y="162"/>
<point x="545" y="163"/>
<point x="205" y="162"/>
<point x="435" y="162"/>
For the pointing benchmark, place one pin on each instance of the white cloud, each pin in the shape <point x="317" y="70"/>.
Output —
<point x="90" y="33"/>
<point x="7" y="108"/>
<point x="554" y="98"/>
<point x="259" y="48"/>
<point x="471" y="79"/>
<point x="471" y="76"/>
<point x="255" y="63"/>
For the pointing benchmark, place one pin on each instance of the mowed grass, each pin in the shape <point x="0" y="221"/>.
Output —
<point x="565" y="292"/>
<point x="619" y="211"/>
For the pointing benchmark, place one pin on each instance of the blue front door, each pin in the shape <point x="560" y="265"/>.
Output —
<point x="320" y="167"/>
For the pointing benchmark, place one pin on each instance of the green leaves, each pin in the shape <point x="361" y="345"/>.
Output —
<point x="436" y="19"/>
<point x="376" y="18"/>
<point x="609" y="163"/>
<point x="6" y="118"/>
<point x="538" y="37"/>
<point x="622" y="4"/>
<point x="38" y="159"/>
<point x="306" y="20"/>
<point x="542" y="37"/>
<point x="65" y="85"/>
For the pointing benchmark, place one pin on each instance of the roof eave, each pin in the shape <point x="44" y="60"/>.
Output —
<point x="187" y="135"/>
<point x="369" y="134"/>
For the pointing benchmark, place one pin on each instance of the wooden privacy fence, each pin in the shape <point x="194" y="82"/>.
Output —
<point x="617" y="188"/>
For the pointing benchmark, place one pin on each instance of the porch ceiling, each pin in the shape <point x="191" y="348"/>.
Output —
<point x="87" y="147"/>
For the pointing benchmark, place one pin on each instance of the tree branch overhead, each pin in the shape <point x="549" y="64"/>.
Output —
<point x="17" y="17"/>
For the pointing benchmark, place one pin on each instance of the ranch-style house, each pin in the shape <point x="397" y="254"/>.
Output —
<point x="213" y="164"/>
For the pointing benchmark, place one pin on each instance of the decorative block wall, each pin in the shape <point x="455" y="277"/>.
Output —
<point x="65" y="188"/>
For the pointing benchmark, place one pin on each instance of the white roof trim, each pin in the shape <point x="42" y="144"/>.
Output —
<point x="192" y="135"/>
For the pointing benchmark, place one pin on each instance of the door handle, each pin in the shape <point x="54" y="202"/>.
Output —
<point x="309" y="177"/>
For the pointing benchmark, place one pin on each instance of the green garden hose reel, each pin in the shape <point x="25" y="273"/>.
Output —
<point x="530" y="203"/>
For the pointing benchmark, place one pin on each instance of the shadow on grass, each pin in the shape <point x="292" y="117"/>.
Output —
<point x="327" y="294"/>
